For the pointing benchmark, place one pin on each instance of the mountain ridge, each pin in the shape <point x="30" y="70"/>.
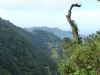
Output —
<point x="60" y="33"/>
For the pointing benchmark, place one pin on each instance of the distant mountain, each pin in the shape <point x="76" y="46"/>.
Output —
<point x="27" y="53"/>
<point x="60" y="33"/>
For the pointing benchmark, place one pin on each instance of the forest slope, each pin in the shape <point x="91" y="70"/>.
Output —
<point x="19" y="55"/>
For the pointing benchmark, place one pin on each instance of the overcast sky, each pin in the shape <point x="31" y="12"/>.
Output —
<point x="52" y="13"/>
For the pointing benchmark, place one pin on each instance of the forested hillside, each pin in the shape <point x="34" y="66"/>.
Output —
<point x="49" y="43"/>
<point x="41" y="39"/>
<point x="41" y="50"/>
<point x="20" y="53"/>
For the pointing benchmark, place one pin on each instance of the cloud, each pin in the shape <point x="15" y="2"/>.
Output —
<point x="4" y="11"/>
<point x="36" y="5"/>
<point x="91" y="13"/>
<point x="88" y="21"/>
<point x="51" y="13"/>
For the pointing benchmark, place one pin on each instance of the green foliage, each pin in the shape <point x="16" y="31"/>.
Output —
<point x="49" y="43"/>
<point x="82" y="59"/>
<point x="21" y="53"/>
<point x="4" y="71"/>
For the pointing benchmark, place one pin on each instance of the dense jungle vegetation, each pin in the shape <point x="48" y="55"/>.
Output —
<point x="25" y="53"/>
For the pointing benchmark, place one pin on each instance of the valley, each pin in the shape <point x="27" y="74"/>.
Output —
<point x="28" y="53"/>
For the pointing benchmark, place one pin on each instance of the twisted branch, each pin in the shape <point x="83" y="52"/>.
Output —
<point x="72" y="23"/>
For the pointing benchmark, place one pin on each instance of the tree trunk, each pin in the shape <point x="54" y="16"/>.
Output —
<point x="72" y="23"/>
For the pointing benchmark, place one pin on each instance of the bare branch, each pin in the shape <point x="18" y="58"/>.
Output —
<point x="72" y="23"/>
<point x="73" y="5"/>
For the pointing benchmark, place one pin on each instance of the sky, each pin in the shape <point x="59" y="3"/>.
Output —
<point x="52" y="13"/>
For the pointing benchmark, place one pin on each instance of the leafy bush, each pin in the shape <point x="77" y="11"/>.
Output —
<point x="81" y="59"/>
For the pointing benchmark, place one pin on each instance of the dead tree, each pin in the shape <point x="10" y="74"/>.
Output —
<point x="72" y="23"/>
